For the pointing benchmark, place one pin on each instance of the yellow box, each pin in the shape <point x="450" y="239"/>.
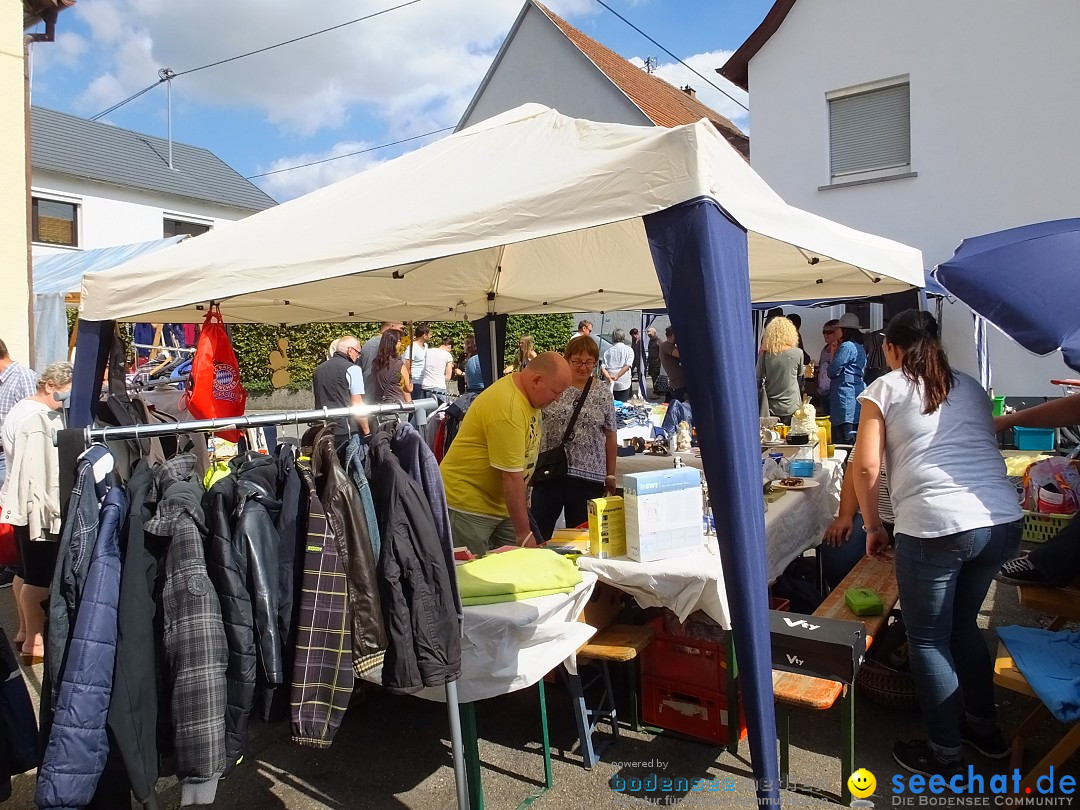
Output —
<point x="607" y="528"/>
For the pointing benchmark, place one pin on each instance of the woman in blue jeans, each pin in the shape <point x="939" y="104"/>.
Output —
<point x="956" y="522"/>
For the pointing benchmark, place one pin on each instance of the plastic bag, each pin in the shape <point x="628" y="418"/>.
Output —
<point x="1052" y="486"/>
<point x="216" y="391"/>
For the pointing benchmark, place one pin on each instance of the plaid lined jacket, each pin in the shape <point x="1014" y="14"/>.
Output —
<point x="195" y="646"/>
<point x="322" y="673"/>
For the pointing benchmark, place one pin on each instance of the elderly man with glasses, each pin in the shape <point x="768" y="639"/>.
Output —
<point x="339" y="383"/>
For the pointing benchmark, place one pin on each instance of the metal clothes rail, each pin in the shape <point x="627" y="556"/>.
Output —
<point x="420" y="407"/>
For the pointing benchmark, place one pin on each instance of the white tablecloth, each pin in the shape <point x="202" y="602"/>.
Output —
<point x="512" y="645"/>
<point x="793" y="524"/>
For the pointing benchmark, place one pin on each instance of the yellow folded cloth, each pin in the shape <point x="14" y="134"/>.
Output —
<point x="523" y="573"/>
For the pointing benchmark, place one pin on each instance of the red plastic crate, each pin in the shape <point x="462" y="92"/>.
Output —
<point x="698" y="713"/>
<point x="684" y="661"/>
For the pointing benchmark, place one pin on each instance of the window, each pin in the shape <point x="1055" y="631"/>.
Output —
<point x="870" y="131"/>
<point x="175" y="227"/>
<point x="55" y="222"/>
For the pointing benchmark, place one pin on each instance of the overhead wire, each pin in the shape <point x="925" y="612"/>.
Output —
<point x="349" y="154"/>
<point x="134" y="96"/>
<point x="673" y="56"/>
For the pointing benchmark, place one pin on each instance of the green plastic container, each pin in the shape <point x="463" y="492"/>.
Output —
<point x="999" y="406"/>
<point x="864" y="601"/>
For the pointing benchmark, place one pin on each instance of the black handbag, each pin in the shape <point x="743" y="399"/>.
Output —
<point x="551" y="465"/>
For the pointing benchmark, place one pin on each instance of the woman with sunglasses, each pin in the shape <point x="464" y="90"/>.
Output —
<point x="831" y="333"/>
<point x="590" y="449"/>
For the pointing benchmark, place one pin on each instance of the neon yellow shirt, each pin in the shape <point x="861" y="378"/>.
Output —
<point x="500" y="432"/>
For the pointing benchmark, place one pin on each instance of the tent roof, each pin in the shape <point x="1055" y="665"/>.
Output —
<point x="63" y="272"/>
<point x="527" y="212"/>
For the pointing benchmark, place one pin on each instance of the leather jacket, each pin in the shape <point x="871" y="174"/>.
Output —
<point x="345" y="514"/>
<point x="256" y="543"/>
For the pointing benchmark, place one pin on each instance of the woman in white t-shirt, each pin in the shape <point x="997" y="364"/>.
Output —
<point x="956" y="523"/>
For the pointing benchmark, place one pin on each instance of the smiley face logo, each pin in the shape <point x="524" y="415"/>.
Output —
<point x="861" y="783"/>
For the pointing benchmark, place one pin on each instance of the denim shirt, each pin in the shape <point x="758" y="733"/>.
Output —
<point x="355" y="455"/>
<point x="846" y="372"/>
<point x="474" y="379"/>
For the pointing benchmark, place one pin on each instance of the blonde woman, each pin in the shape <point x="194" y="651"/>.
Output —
<point x="780" y="365"/>
<point x="525" y="353"/>
<point x="31" y="500"/>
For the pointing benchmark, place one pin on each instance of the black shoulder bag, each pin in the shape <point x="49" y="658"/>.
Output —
<point x="551" y="465"/>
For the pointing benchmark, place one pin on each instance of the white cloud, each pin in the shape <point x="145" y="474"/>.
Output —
<point x="294" y="183"/>
<point x="705" y="64"/>
<point x="414" y="67"/>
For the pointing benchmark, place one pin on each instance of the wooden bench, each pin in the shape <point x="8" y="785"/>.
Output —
<point x="794" y="691"/>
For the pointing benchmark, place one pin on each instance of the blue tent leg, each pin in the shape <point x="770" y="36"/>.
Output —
<point x="91" y="354"/>
<point x="702" y="263"/>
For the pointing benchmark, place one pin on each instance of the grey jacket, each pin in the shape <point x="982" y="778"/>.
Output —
<point x="196" y="649"/>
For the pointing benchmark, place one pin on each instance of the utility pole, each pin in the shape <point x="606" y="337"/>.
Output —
<point x="167" y="75"/>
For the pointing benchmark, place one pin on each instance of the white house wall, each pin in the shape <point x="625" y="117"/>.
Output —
<point x="114" y="215"/>
<point x="541" y="65"/>
<point x="995" y="113"/>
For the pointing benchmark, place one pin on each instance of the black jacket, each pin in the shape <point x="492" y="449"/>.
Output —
<point x="345" y="514"/>
<point x="256" y="541"/>
<point x="224" y="570"/>
<point x="133" y="712"/>
<point x="421" y="617"/>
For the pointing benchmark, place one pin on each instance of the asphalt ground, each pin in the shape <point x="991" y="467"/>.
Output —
<point x="393" y="752"/>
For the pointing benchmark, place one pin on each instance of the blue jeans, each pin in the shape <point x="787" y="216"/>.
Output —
<point x="837" y="561"/>
<point x="943" y="582"/>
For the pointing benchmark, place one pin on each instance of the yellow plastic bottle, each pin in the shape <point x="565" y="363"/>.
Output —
<point x="824" y="424"/>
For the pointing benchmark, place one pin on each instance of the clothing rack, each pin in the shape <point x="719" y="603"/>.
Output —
<point x="421" y="408"/>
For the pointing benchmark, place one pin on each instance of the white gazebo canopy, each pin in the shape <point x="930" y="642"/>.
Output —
<point x="527" y="212"/>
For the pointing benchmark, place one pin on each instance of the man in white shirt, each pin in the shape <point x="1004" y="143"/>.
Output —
<point x="438" y="368"/>
<point x="416" y="357"/>
<point x="618" y="360"/>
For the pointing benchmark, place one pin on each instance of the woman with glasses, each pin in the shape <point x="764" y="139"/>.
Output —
<point x="590" y="449"/>
<point x="831" y="333"/>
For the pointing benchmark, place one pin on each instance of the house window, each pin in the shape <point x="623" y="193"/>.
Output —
<point x="55" y="222"/>
<point x="870" y="131"/>
<point x="176" y="227"/>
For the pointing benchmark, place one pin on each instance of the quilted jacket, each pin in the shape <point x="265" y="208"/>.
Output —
<point x="78" y="740"/>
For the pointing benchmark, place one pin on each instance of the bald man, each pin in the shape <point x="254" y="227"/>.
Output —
<point x="339" y="383"/>
<point x="488" y="466"/>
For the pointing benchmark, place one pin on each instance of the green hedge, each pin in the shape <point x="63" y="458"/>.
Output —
<point x="308" y="344"/>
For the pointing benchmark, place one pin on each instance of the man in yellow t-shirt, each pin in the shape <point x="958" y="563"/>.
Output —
<point x="487" y="468"/>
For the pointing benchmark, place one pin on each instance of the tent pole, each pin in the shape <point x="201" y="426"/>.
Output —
<point x="454" y="713"/>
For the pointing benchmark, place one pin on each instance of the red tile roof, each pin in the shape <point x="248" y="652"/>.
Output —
<point x="665" y="104"/>
<point x="737" y="67"/>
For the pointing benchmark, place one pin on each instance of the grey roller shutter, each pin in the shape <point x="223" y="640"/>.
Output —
<point x="870" y="130"/>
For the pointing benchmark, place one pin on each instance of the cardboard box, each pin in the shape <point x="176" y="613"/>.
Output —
<point x="663" y="514"/>
<point x="607" y="528"/>
<point x="603" y="606"/>
<point x="823" y="648"/>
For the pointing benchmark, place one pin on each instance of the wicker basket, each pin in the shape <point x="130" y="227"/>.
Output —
<point x="1038" y="528"/>
<point x="881" y="685"/>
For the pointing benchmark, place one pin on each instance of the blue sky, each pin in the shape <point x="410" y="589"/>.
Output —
<point x="401" y="74"/>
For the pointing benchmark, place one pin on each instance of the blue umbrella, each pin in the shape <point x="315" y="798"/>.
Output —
<point x="1025" y="281"/>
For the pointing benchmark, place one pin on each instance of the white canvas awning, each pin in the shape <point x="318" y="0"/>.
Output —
<point x="527" y="212"/>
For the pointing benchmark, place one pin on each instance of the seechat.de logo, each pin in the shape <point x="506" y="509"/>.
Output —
<point x="861" y="783"/>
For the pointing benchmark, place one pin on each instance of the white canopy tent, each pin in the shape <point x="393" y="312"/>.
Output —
<point x="527" y="212"/>
<point x="534" y="212"/>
